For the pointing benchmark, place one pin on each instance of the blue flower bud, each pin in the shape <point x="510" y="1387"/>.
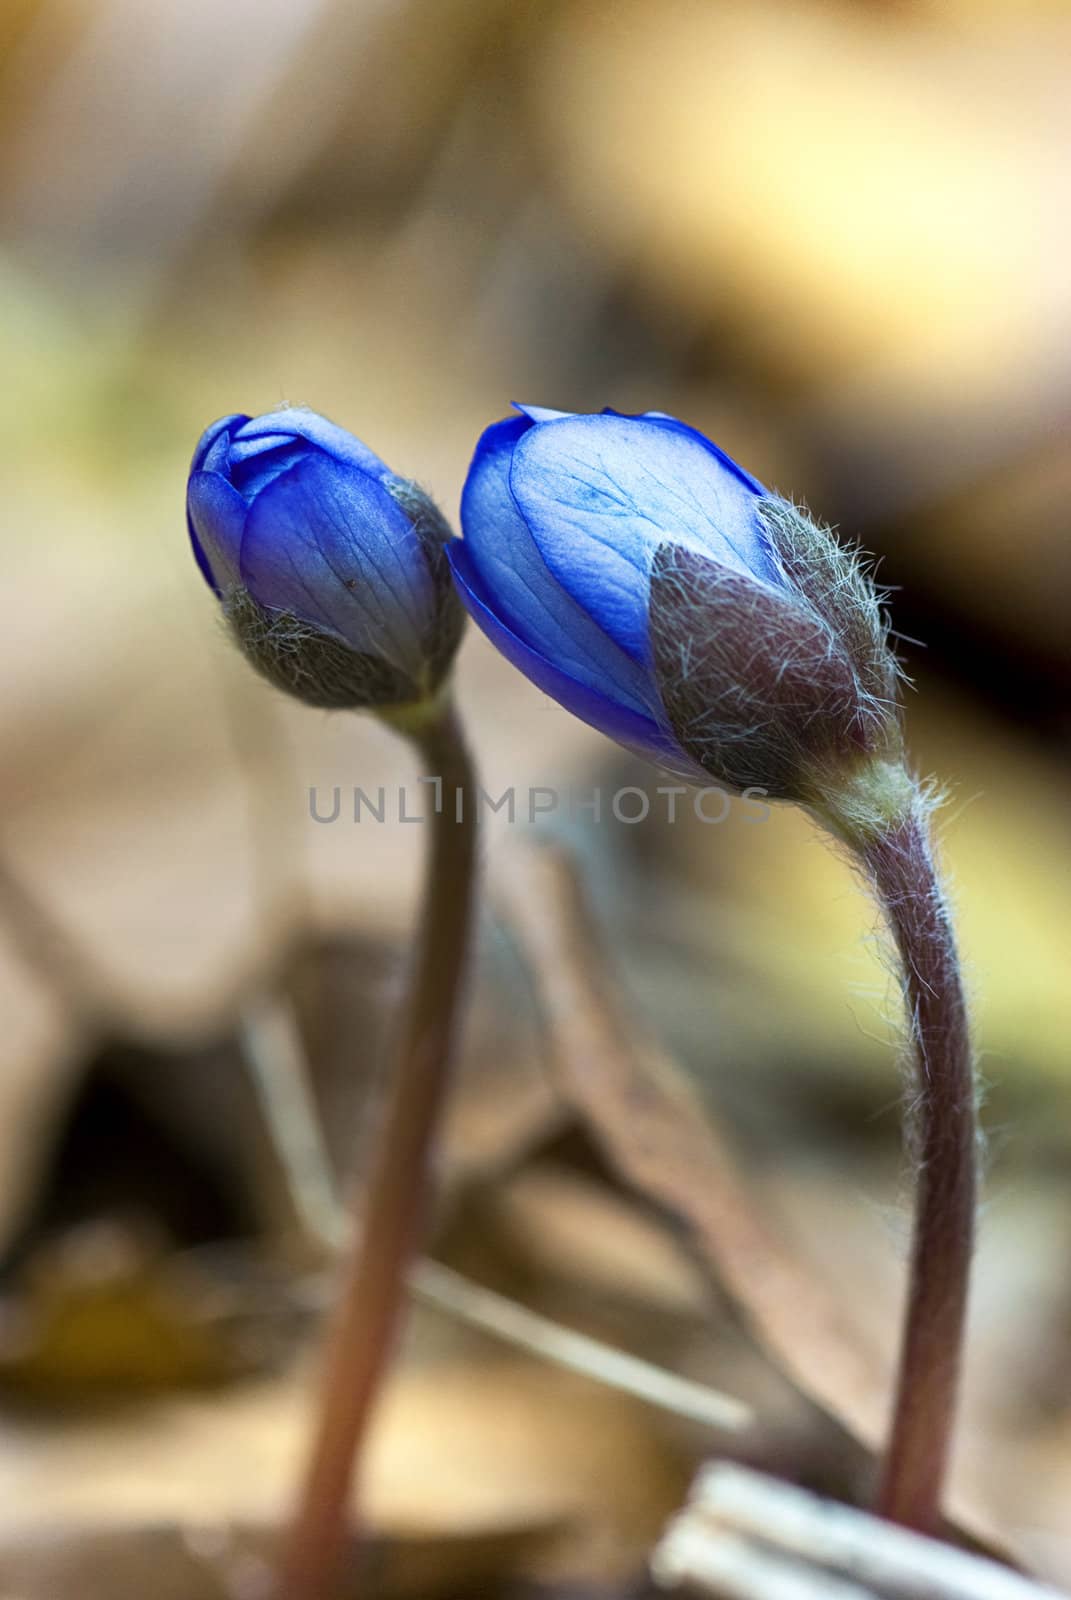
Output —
<point x="635" y="573"/>
<point x="331" y="570"/>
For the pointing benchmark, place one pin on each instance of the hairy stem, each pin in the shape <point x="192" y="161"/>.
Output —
<point x="943" y="1134"/>
<point x="371" y="1295"/>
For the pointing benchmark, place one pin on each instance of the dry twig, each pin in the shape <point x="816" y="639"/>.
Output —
<point x="739" y="1521"/>
<point x="276" y="1061"/>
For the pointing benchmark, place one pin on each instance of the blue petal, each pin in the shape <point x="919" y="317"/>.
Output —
<point x="328" y="543"/>
<point x="666" y="421"/>
<point x="216" y="516"/>
<point x="225" y="425"/>
<point x="298" y="422"/>
<point x="200" y="557"/>
<point x="251" y="473"/>
<point x="541" y="413"/>
<point x="217" y="458"/>
<point x="528" y="599"/>
<point x="245" y="447"/>
<point x="601" y="493"/>
<point x="630" y="728"/>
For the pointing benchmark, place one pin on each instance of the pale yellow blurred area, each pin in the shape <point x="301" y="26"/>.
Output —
<point x="865" y="184"/>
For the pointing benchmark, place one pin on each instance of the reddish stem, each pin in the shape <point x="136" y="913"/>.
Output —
<point x="943" y="1139"/>
<point x="366" y="1320"/>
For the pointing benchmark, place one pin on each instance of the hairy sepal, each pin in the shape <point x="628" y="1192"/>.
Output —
<point x="791" y="689"/>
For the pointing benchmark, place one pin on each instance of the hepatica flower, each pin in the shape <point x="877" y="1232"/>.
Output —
<point x="635" y="573"/>
<point x="333" y="576"/>
<point x="656" y="589"/>
<point x="331" y="570"/>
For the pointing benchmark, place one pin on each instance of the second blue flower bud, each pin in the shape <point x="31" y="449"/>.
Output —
<point x="331" y="569"/>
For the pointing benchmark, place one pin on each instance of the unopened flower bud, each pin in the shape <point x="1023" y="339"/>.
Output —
<point x="331" y="570"/>
<point x="633" y="571"/>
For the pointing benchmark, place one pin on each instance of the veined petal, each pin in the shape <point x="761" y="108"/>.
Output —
<point x="328" y="543"/>
<point x="203" y="563"/>
<point x="666" y="421"/>
<point x="601" y="493"/>
<point x="531" y="603"/>
<point x="245" y="448"/>
<point x="215" y="516"/>
<point x="252" y="472"/>
<point x="635" y="730"/>
<point x="297" y="422"/>
<point x="216" y="430"/>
